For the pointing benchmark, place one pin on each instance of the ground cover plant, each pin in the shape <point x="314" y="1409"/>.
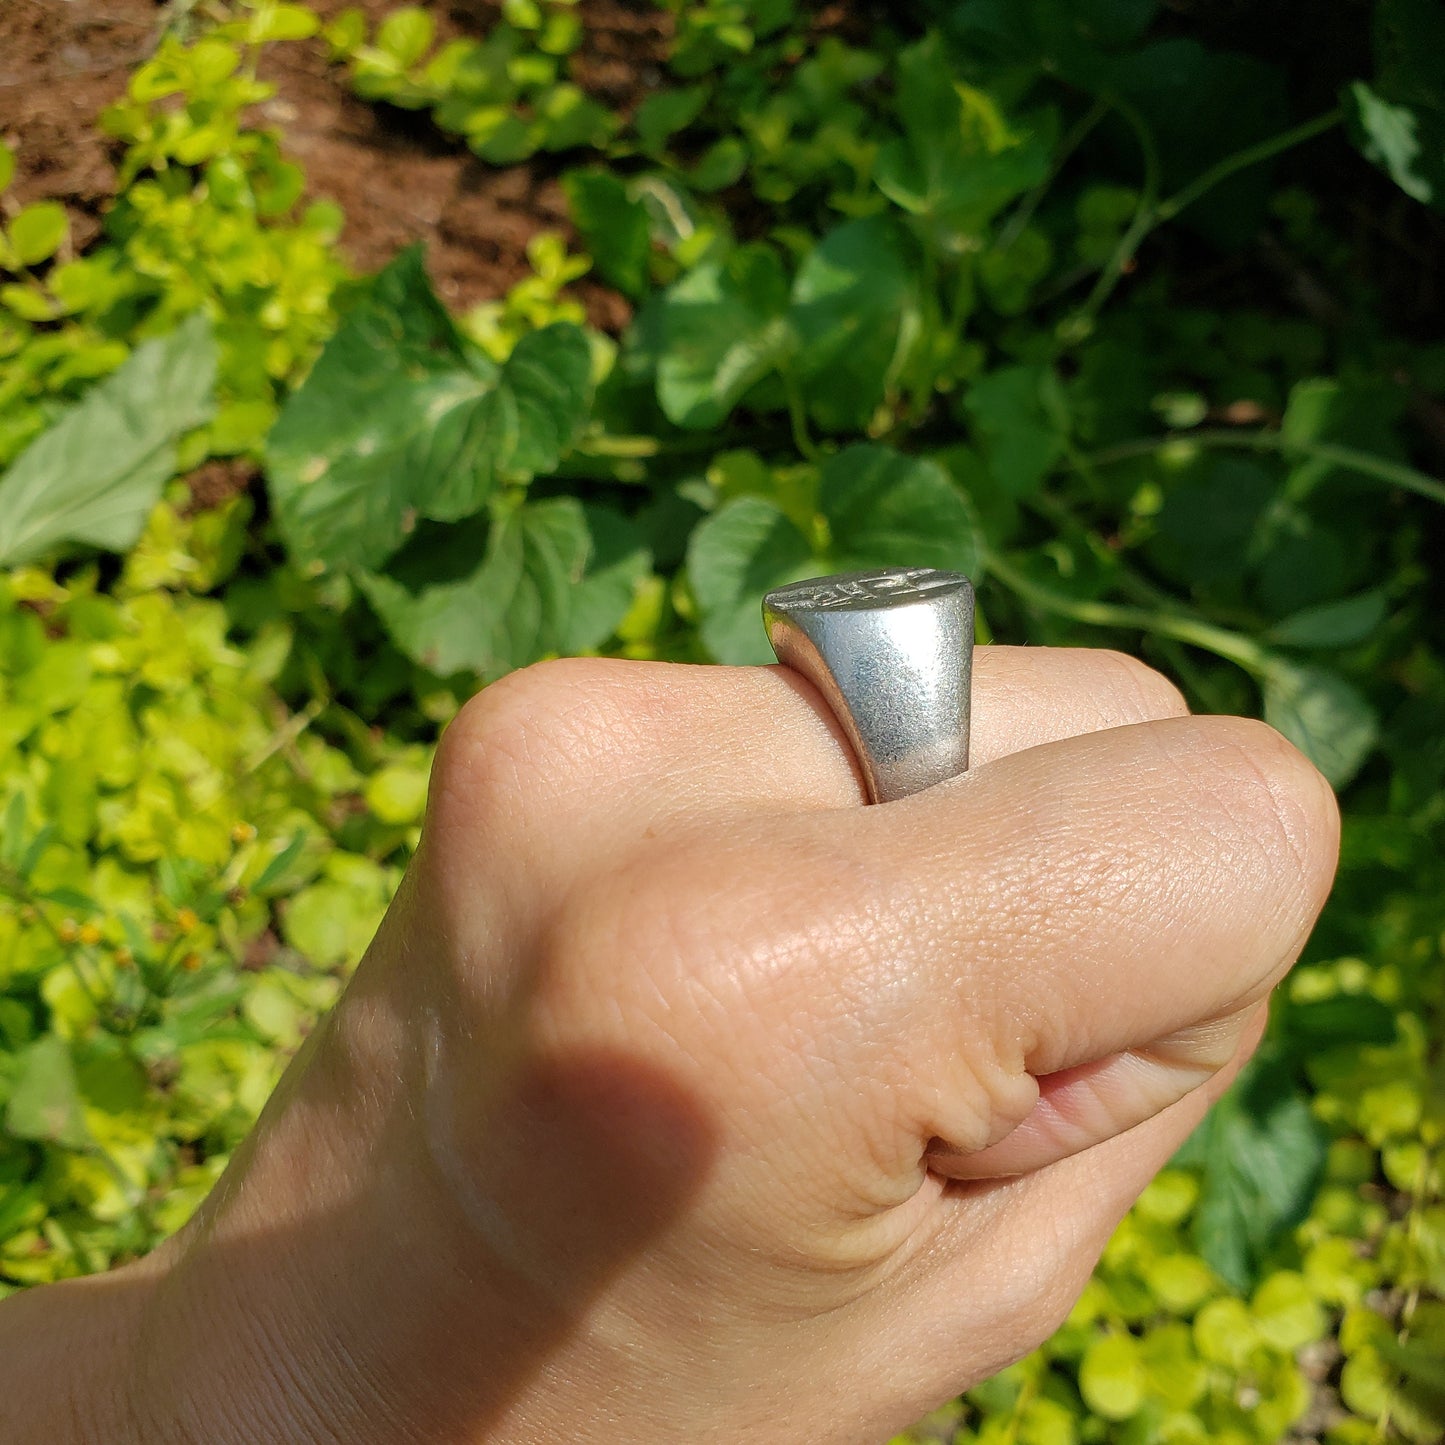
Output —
<point x="1134" y="324"/>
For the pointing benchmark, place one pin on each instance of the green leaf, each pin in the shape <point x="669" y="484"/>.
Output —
<point x="615" y="229"/>
<point x="1016" y="412"/>
<point x="618" y="562"/>
<point x="45" y="1102"/>
<point x="271" y="23"/>
<point x="1201" y="105"/>
<point x="7" y="166"/>
<point x="1398" y="120"/>
<point x="856" y="312"/>
<point x="1210" y="517"/>
<point x="38" y="232"/>
<point x="1324" y="716"/>
<point x="543" y="396"/>
<point x="1333" y="624"/>
<point x="1351" y="1018"/>
<point x="278" y="865"/>
<point x="746" y="548"/>
<point x="885" y="509"/>
<point x="1397" y="139"/>
<point x="1112" y="1376"/>
<point x="397" y="795"/>
<point x="95" y="475"/>
<point x="1262" y="1153"/>
<point x="958" y="162"/>
<point x="721" y="165"/>
<point x="568" y="118"/>
<point x="451" y="613"/>
<point x="663" y="114"/>
<point x="406" y="35"/>
<point x="1063" y="37"/>
<point x="723" y="330"/>
<point x="399" y="420"/>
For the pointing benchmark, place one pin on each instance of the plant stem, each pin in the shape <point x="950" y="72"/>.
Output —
<point x="1017" y="223"/>
<point x="1241" y="160"/>
<point x="1143" y="219"/>
<point x="1152" y="213"/>
<point x="1233" y="646"/>
<point x="1364" y="463"/>
<point x="798" y="416"/>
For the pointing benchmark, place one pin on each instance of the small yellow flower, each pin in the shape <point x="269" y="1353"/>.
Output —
<point x="90" y="934"/>
<point x="124" y="958"/>
<point x="242" y="833"/>
<point x="186" y="920"/>
<point x="191" y="962"/>
<point x="69" y="931"/>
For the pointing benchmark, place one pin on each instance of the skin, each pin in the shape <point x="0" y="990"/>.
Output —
<point x="681" y="1096"/>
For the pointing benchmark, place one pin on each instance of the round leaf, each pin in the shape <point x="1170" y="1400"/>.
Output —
<point x="1111" y="1377"/>
<point x="746" y="548"/>
<point x="38" y="232"/>
<point x="885" y="509"/>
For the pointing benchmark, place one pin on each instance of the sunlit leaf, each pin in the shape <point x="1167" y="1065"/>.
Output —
<point x="94" y="476"/>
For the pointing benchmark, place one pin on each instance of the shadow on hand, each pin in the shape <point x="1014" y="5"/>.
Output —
<point x="320" y="1297"/>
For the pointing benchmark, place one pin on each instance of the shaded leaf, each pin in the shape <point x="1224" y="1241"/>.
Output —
<point x="855" y="310"/>
<point x="617" y="563"/>
<point x="451" y="612"/>
<point x="1332" y="624"/>
<point x="1261" y="1153"/>
<point x="723" y="330"/>
<point x="1064" y="37"/>
<point x="615" y="229"/>
<point x="1202" y="105"/>
<point x="958" y="162"/>
<point x="885" y="509"/>
<point x="1325" y="717"/>
<point x="1015" y="413"/>
<point x="1354" y="1018"/>
<point x="746" y="548"/>
<point x="399" y="420"/>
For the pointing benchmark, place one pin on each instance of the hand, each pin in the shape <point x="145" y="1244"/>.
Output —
<point x="680" y="1097"/>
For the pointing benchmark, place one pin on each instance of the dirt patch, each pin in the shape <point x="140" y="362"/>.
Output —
<point x="61" y="63"/>
<point x="396" y="177"/>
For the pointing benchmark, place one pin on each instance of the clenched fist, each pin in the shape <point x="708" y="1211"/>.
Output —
<point x="683" y="1097"/>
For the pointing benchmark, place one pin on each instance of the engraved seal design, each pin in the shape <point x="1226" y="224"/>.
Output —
<point x="866" y="589"/>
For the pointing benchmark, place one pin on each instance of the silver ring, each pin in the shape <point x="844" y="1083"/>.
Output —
<point x="892" y="652"/>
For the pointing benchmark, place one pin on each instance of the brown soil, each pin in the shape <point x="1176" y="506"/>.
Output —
<point x="60" y="62"/>
<point x="395" y="176"/>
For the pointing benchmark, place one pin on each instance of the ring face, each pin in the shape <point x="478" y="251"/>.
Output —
<point x="863" y="590"/>
<point x="892" y="652"/>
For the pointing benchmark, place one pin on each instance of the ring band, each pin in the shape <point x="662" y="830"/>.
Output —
<point x="892" y="652"/>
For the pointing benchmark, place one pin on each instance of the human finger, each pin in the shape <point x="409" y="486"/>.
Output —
<point x="1128" y="892"/>
<point x="996" y="1266"/>
<point x="581" y="755"/>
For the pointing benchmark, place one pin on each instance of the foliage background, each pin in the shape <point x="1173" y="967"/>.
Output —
<point x="1128" y="310"/>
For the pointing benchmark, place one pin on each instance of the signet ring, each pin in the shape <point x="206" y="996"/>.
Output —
<point x="892" y="653"/>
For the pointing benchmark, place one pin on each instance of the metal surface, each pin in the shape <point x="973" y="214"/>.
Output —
<point x="892" y="652"/>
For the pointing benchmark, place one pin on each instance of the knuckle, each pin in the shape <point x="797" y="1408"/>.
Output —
<point x="531" y="736"/>
<point x="1137" y="691"/>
